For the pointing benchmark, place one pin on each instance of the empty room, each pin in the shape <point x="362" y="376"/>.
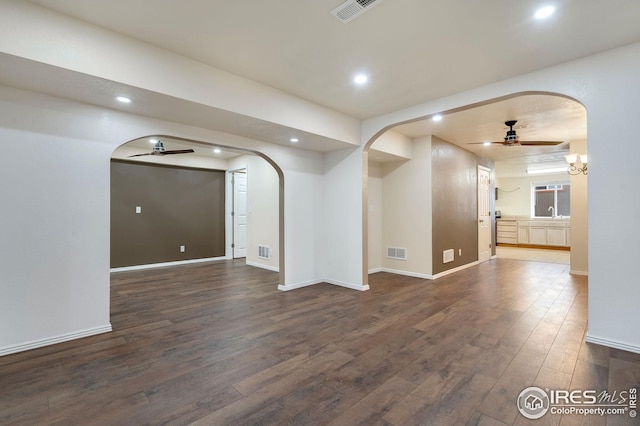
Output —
<point x="364" y="212"/>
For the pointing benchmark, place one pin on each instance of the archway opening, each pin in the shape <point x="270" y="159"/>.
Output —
<point x="395" y="150"/>
<point x="189" y="214"/>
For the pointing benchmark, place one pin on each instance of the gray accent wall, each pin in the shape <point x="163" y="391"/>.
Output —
<point x="180" y="206"/>
<point x="455" y="204"/>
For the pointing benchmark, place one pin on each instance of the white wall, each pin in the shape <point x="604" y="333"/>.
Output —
<point x="375" y="200"/>
<point x="517" y="202"/>
<point x="607" y="85"/>
<point x="393" y="143"/>
<point x="342" y="219"/>
<point x="406" y="211"/>
<point x="55" y="191"/>
<point x="53" y="220"/>
<point x="262" y="199"/>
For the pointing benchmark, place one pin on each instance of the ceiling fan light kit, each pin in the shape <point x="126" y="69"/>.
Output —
<point x="160" y="150"/>
<point x="512" y="139"/>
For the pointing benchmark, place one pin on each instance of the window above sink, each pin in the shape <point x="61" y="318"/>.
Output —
<point x="551" y="200"/>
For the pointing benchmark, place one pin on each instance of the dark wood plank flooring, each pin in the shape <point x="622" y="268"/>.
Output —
<point x="218" y="344"/>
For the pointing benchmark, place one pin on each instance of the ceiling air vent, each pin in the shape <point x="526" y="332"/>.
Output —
<point x="351" y="9"/>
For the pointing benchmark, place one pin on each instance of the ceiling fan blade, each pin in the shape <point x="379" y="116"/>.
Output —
<point x="140" y="155"/>
<point x="482" y="143"/>
<point x="540" y="143"/>
<point x="177" y="151"/>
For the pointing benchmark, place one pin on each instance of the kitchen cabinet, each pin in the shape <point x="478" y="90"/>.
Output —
<point x="552" y="232"/>
<point x="556" y="236"/>
<point x="523" y="234"/>
<point x="507" y="232"/>
<point x="538" y="235"/>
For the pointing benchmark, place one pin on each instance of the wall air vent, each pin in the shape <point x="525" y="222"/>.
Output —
<point x="351" y="9"/>
<point x="447" y="256"/>
<point x="397" y="253"/>
<point x="264" y="252"/>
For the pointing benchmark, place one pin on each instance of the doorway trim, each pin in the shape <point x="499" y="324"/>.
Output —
<point x="229" y="214"/>
<point x="484" y="216"/>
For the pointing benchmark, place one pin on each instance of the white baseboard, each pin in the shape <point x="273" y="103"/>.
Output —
<point x="294" y="286"/>
<point x="583" y="273"/>
<point x="328" y="281"/>
<point x="55" y="339"/>
<point x="428" y="276"/>
<point x="459" y="268"/>
<point x="260" y="265"/>
<point x="408" y="273"/>
<point x="352" y="286"/>
<point x="374" y="270"/>
<point x="163" y="264"/>
<point x="612" y="344"/>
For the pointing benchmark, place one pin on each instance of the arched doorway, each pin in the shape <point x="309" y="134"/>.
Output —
<point x="211" y="163"/>
<point x="391" y="152"/>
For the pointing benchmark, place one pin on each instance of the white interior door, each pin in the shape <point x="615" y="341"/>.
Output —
<point x="239" y="213"/>
<point x="484" y="214"/>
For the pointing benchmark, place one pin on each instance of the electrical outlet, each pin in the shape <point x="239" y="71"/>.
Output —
<point x="182" y="249"/>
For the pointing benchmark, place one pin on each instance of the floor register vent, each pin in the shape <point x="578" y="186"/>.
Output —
<point x="351" y="9"/>
<point x="397" y="253"/>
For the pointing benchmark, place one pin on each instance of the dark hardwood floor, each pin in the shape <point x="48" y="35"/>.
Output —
<point x="218" y="344"/>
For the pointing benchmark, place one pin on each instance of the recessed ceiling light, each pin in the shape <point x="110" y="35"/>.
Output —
<point x="294" y="140"/>
<point x="360" y="79"/>
<point x="544" y="12"/>
<point x="123" y="99"/>
<point x="217" y="150"/>
<point x="436" y="117"/>
<point x="486" y="143"/>
<point x="153" y="141"/>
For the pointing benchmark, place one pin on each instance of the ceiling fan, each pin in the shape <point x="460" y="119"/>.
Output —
<point x="511" y="139"/>
<point x="159" y="149"/>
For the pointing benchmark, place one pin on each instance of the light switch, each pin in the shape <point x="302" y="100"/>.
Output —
<point x="182" y="248"/>
<point x="138" y="209"/>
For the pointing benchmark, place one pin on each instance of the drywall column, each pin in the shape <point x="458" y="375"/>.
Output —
<point x="612" y="204"/>
<point x="407" y="211"/>
<point x="342" y="225"/>
<point x="375" y="203"/>
<point x="54" y="227"/>
<point x="579" y="214"/>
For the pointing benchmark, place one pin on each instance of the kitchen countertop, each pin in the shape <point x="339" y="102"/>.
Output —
<point x="544" y="219"/>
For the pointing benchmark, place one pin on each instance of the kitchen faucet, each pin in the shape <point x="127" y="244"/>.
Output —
<point x="552" y="210"/>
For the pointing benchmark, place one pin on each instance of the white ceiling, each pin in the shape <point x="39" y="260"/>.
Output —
<point x="539" y="117"/>
<point x="413" y="50"/>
